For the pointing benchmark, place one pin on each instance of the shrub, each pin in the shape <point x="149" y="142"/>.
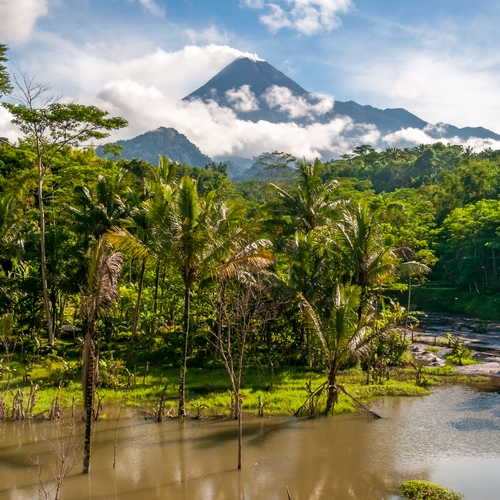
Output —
<point x="425" y="490"/>
<point x="110" y="371"/>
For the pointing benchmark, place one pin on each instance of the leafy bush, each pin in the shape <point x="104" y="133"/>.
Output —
<point x="425" y="490"/>
<point x="110" y="372"/>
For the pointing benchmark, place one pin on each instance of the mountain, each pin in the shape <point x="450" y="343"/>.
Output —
<point x="162" y="141"/>
<point x="255" y="90"/>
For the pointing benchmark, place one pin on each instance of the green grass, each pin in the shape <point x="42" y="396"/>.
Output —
<point x="432" y="349"/>
<point x="207" y="389"/>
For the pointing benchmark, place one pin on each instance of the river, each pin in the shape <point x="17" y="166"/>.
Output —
<point x="451" y="437"/>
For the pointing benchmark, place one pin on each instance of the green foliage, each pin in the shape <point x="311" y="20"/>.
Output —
<point x="111" y="373"/>
<point x="5" y="85"/>
<point x="425" y="490"/>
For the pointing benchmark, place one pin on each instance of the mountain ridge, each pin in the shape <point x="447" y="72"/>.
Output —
<point x="260" y="76"/>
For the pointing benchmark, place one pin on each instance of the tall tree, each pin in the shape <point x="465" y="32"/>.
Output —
<point x="310" y="204"/>
<point x="5" y="85"/>
<point x="101" y="294"/>
<point x="52" y="126"/>
<point x="341" y="331"/>
<point x="365" y="261"/>
<point x="196" y="236"/>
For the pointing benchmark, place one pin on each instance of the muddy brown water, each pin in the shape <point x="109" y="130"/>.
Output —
<point x="451" y="437"/>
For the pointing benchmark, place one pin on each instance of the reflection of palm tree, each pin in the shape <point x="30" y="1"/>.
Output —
<point x="102" y="292"/>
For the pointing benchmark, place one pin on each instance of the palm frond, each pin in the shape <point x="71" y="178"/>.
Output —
<point x="313" y="323"/>
<point x="128" y="243"/>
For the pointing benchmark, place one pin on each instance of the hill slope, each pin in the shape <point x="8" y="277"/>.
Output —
<point x="162" y="141"/>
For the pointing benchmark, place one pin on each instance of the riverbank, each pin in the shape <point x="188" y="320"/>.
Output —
<point x="207" y="391"/>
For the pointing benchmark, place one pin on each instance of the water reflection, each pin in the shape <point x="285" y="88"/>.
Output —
<point x="442" y="437"/>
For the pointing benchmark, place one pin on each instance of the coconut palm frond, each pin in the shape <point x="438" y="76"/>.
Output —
<point x="313" y="323"/>
<point x="128" y="243"/>
<point x="259" y="259"/>
<point x="413" y="268"/>
<point x="103" y="273"/>
<point x="188" y="205"/>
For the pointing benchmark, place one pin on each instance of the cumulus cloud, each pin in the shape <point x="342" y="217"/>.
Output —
<point x="176" y="73"/>
<point x="147" y="90"/>
<point x="242" y="99"/>
<point x="306" y="16"/>
<point x="18" y="18"/>
<point x="438" y="75"/>
<point x="411" y="135"/>
<point x="217" y="131"/>
<point x="415" y="136"/>
<point x="297" y="106"/>
<point x="7" y="130"/>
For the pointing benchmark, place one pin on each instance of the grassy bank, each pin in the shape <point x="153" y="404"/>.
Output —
<point x="207" y="389"/>
<point x="441" y="299"/>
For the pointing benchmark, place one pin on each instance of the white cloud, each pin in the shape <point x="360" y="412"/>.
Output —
<point x="242" y="99"/>
<point x="440" y="73"/>
<point x="252" y="4"/>
<point x="7" y="130"/>
<point x="412" y="135"/>
<point x="176" y="73"/>
<point x="417" y="136"/>
<point x="306" y="16"/>
<point x="18" y="18"/>
<point x="296" y="106"/>
<point x="217" y="131"/>
<point x="210" y="35"/>
<point x="153" y="7"/>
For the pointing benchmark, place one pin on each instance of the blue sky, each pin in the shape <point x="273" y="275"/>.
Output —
<point x="438" y="59"/>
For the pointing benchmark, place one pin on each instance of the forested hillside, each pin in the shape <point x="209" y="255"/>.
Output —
<point x="437" y="205"/>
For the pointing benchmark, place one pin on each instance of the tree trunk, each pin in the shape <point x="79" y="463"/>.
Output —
<point x="43" y="253"/>
<point x="89" y="369"/>
<point x="308" y="340"/>
<point x="332" y="391"/>
<point x="240" y="429"/>
<point x="139" y="297"/>
<point x="408" y="308"/>
<point x="182" y="375"/>
<point x="157" y="282"/>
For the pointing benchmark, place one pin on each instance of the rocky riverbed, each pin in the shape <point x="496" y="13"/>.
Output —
<point x="481" y="337"/>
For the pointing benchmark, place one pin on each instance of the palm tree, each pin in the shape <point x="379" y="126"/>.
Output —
<point x="309" y="207"/>
<point x="309" y="270"/>
<point x="101" y="294"/>
<point x="53" y="127"/>
<point x="96" y="212"/>
<point x="364" y="260"/>
<point x="194" y="235"/>
<point x="342" y="333"/>
<point x="311" y="203"/>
